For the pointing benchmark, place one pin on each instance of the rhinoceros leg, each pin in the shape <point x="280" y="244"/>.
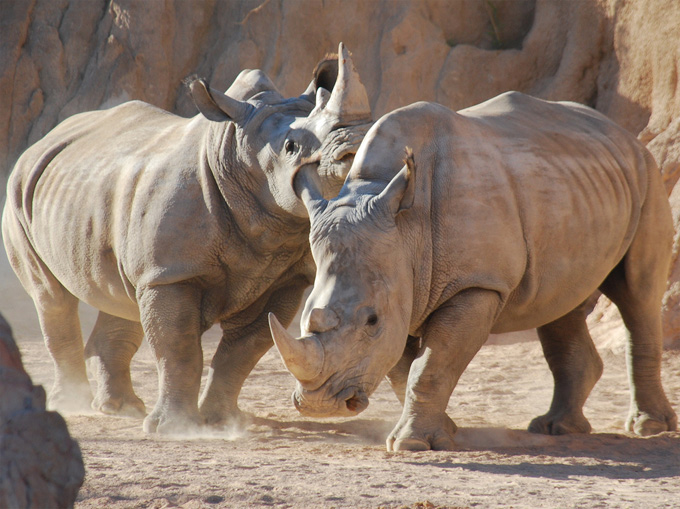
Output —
<point x="57" y="311"/>
<point x="235" y="358"/>
<point x="238" y="353"/>
<point x="171" y="318"/>
<point x="60" y="325"/>
<point x="636" y="286"/>
<point x="453" y="335"/>
<point x="576" y="367"/>
<point x="398" y="375"/>
<point x="109" y="350"/>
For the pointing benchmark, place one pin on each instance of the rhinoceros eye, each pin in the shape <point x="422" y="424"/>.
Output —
<point x="290" y="146"/>
<point x="372" y="320"/>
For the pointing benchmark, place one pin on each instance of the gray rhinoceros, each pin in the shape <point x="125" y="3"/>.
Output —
<point x="168" y="225"/>
<point x="514" y="213"/>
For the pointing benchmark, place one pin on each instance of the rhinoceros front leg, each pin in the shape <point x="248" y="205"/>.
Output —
<point x="171" y="318"/>
<point x="109" y="350"/>
<point x="238" y="353"/>
<point x="453" y="335"/>
<point x="576" y="367"/>
<point x="398" y="375"/>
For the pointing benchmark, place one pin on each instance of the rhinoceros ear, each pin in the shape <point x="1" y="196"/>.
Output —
<point x="326" y="72"/>
<point x="250" y="82"/>
<point x="324" y="77"/>
<point x="215" y="105"/>
<point x="400" y="192"/>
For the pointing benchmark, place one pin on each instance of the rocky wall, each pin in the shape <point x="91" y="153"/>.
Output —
<point x="61" y="57"/>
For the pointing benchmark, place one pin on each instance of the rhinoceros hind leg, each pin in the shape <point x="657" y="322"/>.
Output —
<point x="60" y="325"/>
<point x="109" y="350"/>
<point x="576" y="367"/>
<point x="637" y="286"/>
<point x="650" y="411"/>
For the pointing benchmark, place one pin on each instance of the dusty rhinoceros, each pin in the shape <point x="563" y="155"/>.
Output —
<point x="168" y="225"/>
<point x="514" y="212"/>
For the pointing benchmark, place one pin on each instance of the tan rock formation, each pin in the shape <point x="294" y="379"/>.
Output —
<point x="40" y="465"/>
<point x="620" y="56"/>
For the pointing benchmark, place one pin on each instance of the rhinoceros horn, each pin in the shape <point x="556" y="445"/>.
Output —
<point x="348" y="101"/>
<point x="303" y="357"/>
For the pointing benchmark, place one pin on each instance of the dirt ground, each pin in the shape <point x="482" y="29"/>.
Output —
<point x="285" y="460"/>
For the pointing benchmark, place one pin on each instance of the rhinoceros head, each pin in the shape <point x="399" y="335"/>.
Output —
<point x="356" y="321"/>
<point x="274" y="138"/>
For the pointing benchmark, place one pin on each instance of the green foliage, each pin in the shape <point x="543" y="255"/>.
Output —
<point x="492" y="12"/>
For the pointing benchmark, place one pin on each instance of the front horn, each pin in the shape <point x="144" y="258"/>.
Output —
<point x="348" y="100"/>
<point x="302" y="357"/>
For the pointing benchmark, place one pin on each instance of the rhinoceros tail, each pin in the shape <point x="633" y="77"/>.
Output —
<point x="409" y="161"/>
<point x="190" y="79"/>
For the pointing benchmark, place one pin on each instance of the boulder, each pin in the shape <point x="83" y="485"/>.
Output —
<point x="40" y="464"/>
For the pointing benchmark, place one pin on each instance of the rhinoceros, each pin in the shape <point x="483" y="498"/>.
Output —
<point x="506" y="216"/>
<point x="168" y="225"/>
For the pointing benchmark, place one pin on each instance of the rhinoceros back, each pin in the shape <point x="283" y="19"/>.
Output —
<point x="70" y="196"/>
<point x="572" y="182"/>
<point x="536" y="200"/>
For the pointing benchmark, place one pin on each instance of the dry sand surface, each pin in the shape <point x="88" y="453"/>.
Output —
<point x="284" y="460"/>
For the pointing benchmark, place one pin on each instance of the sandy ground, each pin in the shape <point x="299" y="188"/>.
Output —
<point x="284" y="460"/>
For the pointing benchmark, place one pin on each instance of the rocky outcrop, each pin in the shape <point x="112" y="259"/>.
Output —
<point x="40" y="464"/>
<point x="61" y="57"/>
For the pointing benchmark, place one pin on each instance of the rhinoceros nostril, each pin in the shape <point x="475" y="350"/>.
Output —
<point x="357" y="403"/>
<point x="352" y="404"/>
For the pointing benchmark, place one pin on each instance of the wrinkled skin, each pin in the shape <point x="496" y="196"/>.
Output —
<point x="168" y="225"/>
<point x="506" y="216"/>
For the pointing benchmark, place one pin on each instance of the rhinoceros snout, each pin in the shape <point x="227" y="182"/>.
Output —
<point x="357" y="403"/>
<point x="349" y="402"/>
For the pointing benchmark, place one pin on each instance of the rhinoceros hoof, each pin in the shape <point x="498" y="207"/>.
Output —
<point x="409" y="444"/>
<point x="550" y="424"/>
<point x="174" y="424"/>
<point x="234" y="418"/>
<point x="645" y="425"/>
<point x="124" y="407"/>
<point x="436" y="436"/>
<point x="76" y="399"/>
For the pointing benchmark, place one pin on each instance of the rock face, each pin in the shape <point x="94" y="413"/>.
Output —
<point x="40" y="465"/>
<point x="61" y="57"/>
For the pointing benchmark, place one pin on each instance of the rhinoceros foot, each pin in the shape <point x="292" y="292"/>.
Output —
<point x="165" y="422"/>
<point x="70" y="398"/>
<point x="227" y="418"/>
<point x="422" y="434"/>
<point x="560" y="423"/>
<point x="644" y="424"/>
<point x="128" y="406"/>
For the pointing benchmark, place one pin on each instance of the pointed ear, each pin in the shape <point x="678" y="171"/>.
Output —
<point x="400" y="192"/>
<point x="215" y="105"/>
<point x="307" y="186"/>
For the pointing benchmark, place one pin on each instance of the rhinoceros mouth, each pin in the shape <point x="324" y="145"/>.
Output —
<point x="347" y="403"/>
